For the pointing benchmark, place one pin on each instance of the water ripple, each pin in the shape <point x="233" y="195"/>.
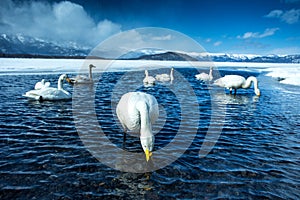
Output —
<point x="256" y="156"/>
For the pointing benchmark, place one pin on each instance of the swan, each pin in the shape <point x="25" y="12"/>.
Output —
<point x="148" y="80"/>
<point x="41" y="84"/>
<point x="137" y="111"/>
<point x="50" y="93"/>
<point x="235" y="82"/>
<point x="165" y="77"/>
<point x="82" y="79"/>
<point x="204" y="76"/>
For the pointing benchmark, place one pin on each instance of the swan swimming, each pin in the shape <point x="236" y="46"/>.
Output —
<point x="165" y="77"/>
<point x="204" y="76"/>
<point x="148" y="80"/>
<point x="82" y="79"/>
<point x="41" y="84"/>
<point x="137" y="111"/>
<point x="50" y="93"/>
<point x="235" y="82"/>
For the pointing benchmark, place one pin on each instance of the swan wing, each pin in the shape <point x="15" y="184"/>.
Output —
<point x="233" y="81"/>
<point x="38" y="86"/>
<point x="203" y="76"/>
<point x="54" y="94"/>
<point x="47" y="84"/>
<point x="163" y="77"/>
<point x="32" y="94"/>
<point x="41" y="84"/>
<point x="230" y="81"/>
<point x="149" y="80"/>
<point x="127" y="114"/>
<point x="48" y="93"/>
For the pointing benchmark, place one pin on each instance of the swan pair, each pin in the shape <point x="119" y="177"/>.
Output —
<point x="82" y="79"/>
<point x="165" y="77"/>
<point x="150" y="80"/>
<point x="49" y="93"/>
<point x="231" y="82"/>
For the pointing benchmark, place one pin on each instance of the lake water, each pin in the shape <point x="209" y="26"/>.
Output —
<point x="50" y="150"/>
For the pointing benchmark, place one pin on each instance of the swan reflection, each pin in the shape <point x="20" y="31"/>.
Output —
<point x="240" y="99"/>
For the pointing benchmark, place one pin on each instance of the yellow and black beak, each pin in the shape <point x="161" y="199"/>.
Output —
<point x="69" y="80"/>
<point x="148" y="154"/>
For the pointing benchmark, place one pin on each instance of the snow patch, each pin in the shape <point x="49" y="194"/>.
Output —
<point x="286" y="75"/>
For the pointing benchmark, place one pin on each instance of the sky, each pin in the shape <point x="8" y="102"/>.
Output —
<point x="219" y="26"/>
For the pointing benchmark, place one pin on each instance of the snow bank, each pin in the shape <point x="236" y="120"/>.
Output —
<point x="287" y="75"/>
<point x="286" y="72"/>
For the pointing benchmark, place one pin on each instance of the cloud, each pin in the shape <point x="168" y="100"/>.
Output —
<point x="61" y="22"/>
<point x="290" y="17"/>
<point x="218" y="43"/>
<point x="274" y="14"/>
<point x="266" y="33"/>
<point x="166" y="37"/>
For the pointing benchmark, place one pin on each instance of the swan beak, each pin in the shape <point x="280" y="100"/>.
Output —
<point x="257" y="93"/>
<point x="68" y="80"/>
<point x="148" y="154"/>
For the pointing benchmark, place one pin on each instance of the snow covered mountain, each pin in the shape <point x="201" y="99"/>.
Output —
<point x="19" y="44"/>
<point x="216" y="57"/>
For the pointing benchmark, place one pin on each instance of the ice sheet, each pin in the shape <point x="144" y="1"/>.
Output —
<point x="287" y="73"/>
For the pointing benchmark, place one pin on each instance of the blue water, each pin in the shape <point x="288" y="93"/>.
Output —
<point x="43" y="155"/>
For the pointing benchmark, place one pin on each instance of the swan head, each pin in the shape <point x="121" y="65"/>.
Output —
<point x="147" y="145"/>
<point x="257" y="92"/>
<point x="65" y="77"/>
<point x="92" y="66"/>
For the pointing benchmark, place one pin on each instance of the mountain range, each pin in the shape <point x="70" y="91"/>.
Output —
<point x="25" y="46"/>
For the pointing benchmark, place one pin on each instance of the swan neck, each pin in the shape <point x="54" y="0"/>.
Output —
<point x="171" y="74"/>
<point x="90" y="73"/>
<point x="60" y="83"/>
<point x="146" y="73"/>
<point x="210" y="72"/>
<point x="146" y="127"/>
<point x="249" y="81"/>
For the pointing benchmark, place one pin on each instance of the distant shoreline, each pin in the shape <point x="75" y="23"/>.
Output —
<point x="2" y="55"/>
<point x="169" y="56"/>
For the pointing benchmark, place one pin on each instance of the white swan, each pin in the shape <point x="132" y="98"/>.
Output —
<point x="235" y="82"/>
<point x="41" y="84"/>
<point x="165" y="77"/>
<point x="148" y="80"/>
<point x="50" y="93"/>
<point x="204" y="76"/>
<point x="82" y="79"/>
<point x="137" y="111"/>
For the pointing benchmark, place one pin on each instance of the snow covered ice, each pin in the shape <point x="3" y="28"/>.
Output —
<point x="287" y="73"/>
